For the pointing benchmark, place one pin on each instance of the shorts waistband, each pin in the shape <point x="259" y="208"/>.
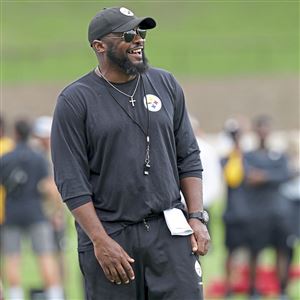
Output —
<point x="153" y="216"/>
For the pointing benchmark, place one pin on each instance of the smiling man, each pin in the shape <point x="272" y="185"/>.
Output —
<point x="123" y="149"/>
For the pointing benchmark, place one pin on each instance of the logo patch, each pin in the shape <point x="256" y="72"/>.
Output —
<point x="126" y="12"/>
<point x="198" y="268"/>
<point x="154" y="103"/>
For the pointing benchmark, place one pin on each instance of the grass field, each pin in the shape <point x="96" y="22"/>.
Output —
<point x="212" y="263"/>
<point x="46" y="40"/>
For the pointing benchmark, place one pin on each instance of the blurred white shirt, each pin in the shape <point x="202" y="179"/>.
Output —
<point x="212" y="173"/>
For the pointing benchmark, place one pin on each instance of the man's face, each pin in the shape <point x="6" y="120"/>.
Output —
<point x="263" y="131"/>
<point x="129" y="57"/>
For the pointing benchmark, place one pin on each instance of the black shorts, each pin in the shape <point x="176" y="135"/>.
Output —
<point x="268" y="232"/>
<point x="165" y="267"/>
<point x="236" y="236"/>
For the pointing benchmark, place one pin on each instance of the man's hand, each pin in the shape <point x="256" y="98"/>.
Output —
<point x="114" y="261"/>
<point x="200" y="239"/>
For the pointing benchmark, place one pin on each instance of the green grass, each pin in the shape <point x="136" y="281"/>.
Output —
<point x="46" y="40"/>
<point x="213" y="263"/>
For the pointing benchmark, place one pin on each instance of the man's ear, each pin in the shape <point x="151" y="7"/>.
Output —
<point x="99" y="46"/>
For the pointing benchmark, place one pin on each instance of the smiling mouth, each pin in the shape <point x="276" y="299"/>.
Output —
<point x="135" y="51"/>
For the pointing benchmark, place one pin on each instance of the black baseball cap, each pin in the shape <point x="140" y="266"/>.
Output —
<point x="116" y="19"/>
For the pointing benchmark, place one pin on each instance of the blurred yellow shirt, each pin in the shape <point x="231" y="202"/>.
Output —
<point x="234" y="169"/>
<point x="6" y="145"/>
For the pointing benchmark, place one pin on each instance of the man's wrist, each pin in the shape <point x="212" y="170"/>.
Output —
<point x="99" y="238"/>
<point x="202" y="216"/>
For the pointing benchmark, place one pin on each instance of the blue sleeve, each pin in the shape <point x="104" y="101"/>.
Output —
<point x="3" y="169"/>
<point x="277" y="173"/>
<point x="282" y="172"/>
<point x="43" y="168"/>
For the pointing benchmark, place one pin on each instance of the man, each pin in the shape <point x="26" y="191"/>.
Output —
<point x="22" y="171"/>
<point x="265" y="171"/>
<point x="54" y="208"/>
<point x="236" y="212"/>
<point x="122" y="148"/>
<point x="6" y="145"/>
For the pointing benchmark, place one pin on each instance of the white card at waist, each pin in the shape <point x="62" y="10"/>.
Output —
<point x="177" y="222"/>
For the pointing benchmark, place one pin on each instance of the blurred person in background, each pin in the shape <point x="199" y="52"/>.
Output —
<point x="6" y="145"/>
<point x="54" y="208"/>
<point x="291" y="192"/>
<point x="236" y="213"/>
<point x="265" y="171"/>
<point x="123" y="149"/>
<point x="212" y="171"/>
<point x="22" y="171"/>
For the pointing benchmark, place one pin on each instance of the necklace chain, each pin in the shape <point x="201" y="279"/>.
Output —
<point x="110" y="84"/>
<point x="146" y="132"/>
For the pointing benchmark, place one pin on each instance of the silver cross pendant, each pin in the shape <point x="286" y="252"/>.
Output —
<point x="132" y="101"/>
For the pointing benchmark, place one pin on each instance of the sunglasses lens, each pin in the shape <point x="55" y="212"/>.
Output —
<point x="142" y="33"/>
<point x="129" y="36"/>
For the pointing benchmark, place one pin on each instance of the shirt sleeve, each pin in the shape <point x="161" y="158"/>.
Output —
<point x="3" y="169"/>
<point x="188" y="154"/>
<point x="43" y="168"/>
<point x="69" y="152"/>
<point x="282" y="172"/>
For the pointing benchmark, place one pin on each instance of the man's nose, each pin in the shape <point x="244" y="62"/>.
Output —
<point x="138" y="39"/>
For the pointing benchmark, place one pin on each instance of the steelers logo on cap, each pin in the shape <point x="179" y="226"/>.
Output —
<point x="126" y="11"/>
<point x="152" y="102"/>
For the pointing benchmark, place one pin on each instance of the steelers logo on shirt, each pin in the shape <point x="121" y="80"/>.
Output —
<point x="152" y="102"/>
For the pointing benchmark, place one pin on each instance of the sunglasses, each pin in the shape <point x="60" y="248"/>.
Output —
<point x="128" y="36"/>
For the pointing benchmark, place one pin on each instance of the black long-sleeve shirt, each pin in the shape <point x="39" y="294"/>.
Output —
<point x="99" y="146"/>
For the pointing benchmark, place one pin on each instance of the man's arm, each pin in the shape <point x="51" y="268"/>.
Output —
<point x="113" y="259"/>
<point x="189" y="170"/>
<point x="71" y="173"/>
<point x="191" y="188"/>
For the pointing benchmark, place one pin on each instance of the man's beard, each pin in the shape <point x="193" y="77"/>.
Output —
<point x="124" y="63"/>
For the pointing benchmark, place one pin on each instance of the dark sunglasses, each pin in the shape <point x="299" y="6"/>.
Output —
<point x="128" y="36"/>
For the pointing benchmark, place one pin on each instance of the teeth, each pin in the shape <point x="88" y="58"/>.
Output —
<point x="138" y="51"/>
